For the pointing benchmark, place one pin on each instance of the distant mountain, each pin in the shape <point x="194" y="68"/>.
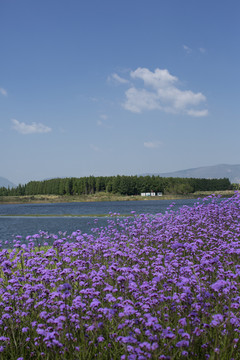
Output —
<point x="6" y="183"/>
<point x="232" y="172"/>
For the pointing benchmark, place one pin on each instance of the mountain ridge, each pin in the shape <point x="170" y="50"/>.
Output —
<point x="232" y="172"/>
<point x="4" y="182"/>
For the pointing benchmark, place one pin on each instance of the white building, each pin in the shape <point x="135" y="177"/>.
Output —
<point x="151" y="194"/>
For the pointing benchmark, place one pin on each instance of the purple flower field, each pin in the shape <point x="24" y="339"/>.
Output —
<point x="145" y="287"/>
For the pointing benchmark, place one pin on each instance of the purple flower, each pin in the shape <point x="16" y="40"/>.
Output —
<point x="217" y="319"/>
<point x="167" y="334"/>
<point x="186" y="335"/>
<point x="150" y="283"/>
<point x="182" y="343"/>
<point x="197" y="331"/>
<point x="183" y="322"/>
<point x="25" y="329"/>
<point x="90" y="328"/>
<point x="100" y="339"/>
<point x="146" y="345"/>
<point x="95" y="303"/>
<point x="110" y="298"/>
<point x="155" y="346"/>
<point x="65" y="287"/>
<point x="4" y="338"/>
<point x="218" y="285"/>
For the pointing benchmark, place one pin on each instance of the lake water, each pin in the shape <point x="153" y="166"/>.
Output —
<point x="23" y="219"/>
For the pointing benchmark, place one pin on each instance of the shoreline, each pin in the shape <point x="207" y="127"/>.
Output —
<point x="100" y="197"/>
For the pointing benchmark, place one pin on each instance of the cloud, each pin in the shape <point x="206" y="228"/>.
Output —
<point x="152" y="144"/>
<point x="160" y="92"/>
<point x="99" y="123"/>
<point x="104" y="116"/>
<point x="33" y="128"/>
<point x="3" y="92"/>
<point x="139" y="100"/>
<point x="198" y="113"/>
<point x="103" y="121"/>
<point x="118" y="79"/>
<point x="187" y="49"/>
<point x="95" y="148"/>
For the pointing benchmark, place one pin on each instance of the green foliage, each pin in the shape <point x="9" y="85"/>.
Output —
<point x="120" y="184"/>
<point x="235" y="186"/>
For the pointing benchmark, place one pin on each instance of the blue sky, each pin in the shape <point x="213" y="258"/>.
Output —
<point x="117" y="87"/>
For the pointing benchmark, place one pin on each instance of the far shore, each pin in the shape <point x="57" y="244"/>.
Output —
<point x="102" y="196"/>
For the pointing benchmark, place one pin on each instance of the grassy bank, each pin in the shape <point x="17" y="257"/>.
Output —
<point x="102" y="196"/>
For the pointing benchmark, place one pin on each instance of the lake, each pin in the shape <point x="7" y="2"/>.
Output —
<point x="24" y="219"/>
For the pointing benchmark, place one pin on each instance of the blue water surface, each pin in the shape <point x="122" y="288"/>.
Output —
<point x="13" y="219"/>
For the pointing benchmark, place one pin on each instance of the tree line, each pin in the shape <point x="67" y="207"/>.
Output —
<point x="120" y="184"/>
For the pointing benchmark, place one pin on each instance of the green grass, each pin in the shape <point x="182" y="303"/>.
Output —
<point x="103" y="196"/>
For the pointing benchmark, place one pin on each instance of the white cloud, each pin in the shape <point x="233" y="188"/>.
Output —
<point x="202" y="50"/>
<point x="104" y="116"/>
<point x="163" y="94"/>
<point x="198" y="113"/>
<point x="99" y="123"/>
<point x="187" y="49"/>
<point x="95" y="148"/>
<point x="3" y="92"/>
<point x="33" y="128"/>
<point x="103" y="121"/>
<point x="118" y="79"/>
<point x="152" y="144"/>
<point x="139" y="100"/>
<point x="160" y="78"/>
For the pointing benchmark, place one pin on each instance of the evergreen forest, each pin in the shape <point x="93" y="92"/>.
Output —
<point x="120" y="184"/>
